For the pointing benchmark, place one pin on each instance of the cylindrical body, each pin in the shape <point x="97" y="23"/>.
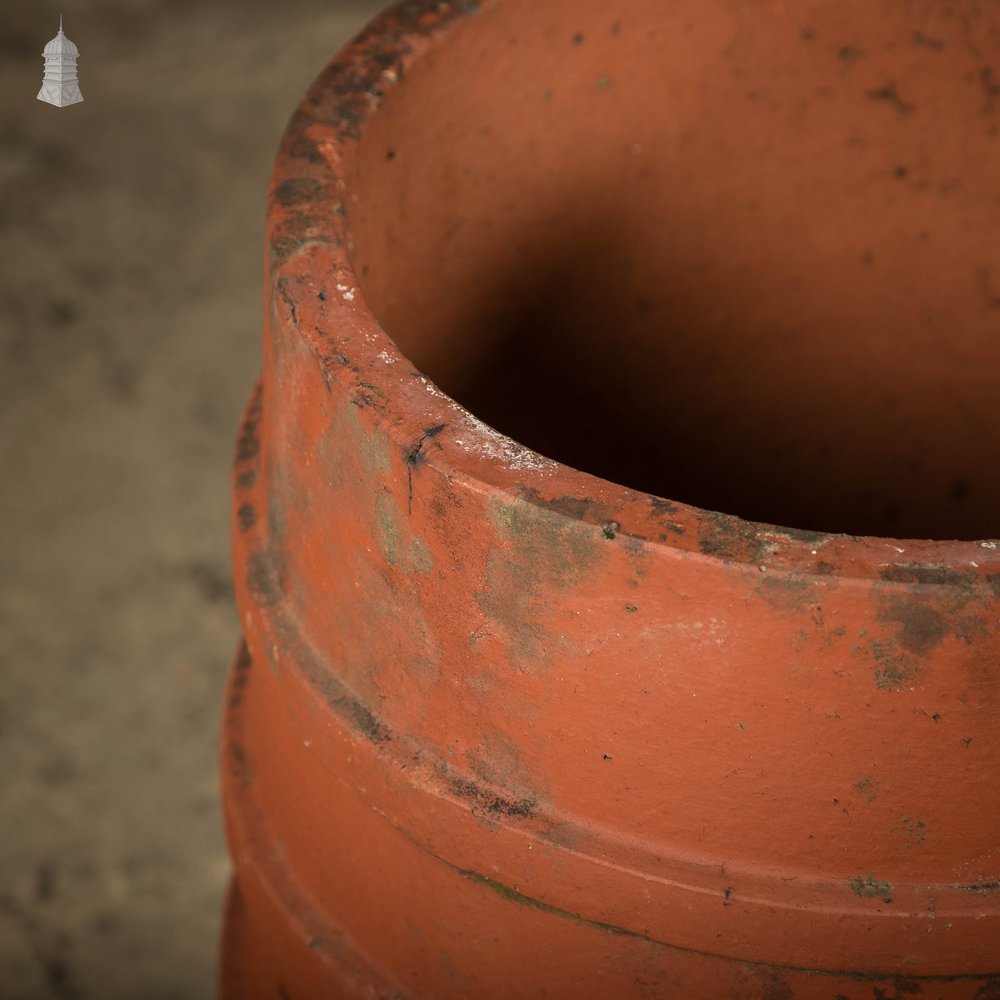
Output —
<point x="506" y="729"/>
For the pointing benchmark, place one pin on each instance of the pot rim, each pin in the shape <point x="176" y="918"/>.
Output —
<point x="308" y="234"/>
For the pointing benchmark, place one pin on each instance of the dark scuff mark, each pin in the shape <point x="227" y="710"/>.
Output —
<point x="368" y="394"/>
<point x="286" y="296"/>
<point x="667" y="509"/>
<point x="362" y="718"/>
<point x="248" y="441"/>
<point x="334" y="358"/>
<point x="275" y="522"/>
<point x="248" y="444"/>
<point x="577" y="508"/>
<point x="300" y="191"/>
<point x="915" y="831"/>
<point x="293" y="236"/>
<point x="239" y="677"/>
<point x="866" y="787"/>
<point x="240" y="768"/>
<point x="610" y="530"/>
<point x="786" y="592"/>
<point x="918" y="573"/>
<point x="414" y="456"/>
<point x="890" y="95"/>
<point x="246" y="517"/>
<point x="921" y="627"/>
<point x="494" y="805"/>
<point x="849" y="53"/>
<point x="262" y="579"/>
<point x="729" y="537"/>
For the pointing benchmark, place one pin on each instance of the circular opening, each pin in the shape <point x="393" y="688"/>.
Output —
<point x="739" y="257"/>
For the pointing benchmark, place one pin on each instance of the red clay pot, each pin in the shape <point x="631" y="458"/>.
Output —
<point x="507" y="726"/>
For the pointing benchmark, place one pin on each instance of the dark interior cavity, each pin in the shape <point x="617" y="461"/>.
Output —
<point x="744" y="258"/>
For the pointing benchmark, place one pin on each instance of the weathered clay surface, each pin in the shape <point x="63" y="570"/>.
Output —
<point x="508" y="729"/>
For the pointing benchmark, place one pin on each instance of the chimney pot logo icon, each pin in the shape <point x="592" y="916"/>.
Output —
<point x="59" y="85"/>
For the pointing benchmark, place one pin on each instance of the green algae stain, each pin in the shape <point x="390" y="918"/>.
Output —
<point x="420" y="557"/>
<point x="387" y="527"/>
<point x="870" y="887"/>
<point x="391" y="533"/>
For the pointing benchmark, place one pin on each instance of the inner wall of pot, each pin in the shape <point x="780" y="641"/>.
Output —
<point x="742" y="256"/>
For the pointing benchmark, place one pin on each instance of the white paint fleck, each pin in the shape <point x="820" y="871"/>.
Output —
<point x="433" y="390"/>
<point x="498" y="446"/>
<point x="491" y="443"/>
<point x="386" y="357"/>
<point x="988" y="545"/>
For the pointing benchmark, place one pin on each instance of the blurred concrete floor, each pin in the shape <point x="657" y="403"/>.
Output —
<point x="131" y="234"/>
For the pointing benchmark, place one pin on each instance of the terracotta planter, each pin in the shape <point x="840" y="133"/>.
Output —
<point x="506" y="728"/>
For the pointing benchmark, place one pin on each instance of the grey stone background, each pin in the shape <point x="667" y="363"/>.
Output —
<point x="131" y="235"/>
